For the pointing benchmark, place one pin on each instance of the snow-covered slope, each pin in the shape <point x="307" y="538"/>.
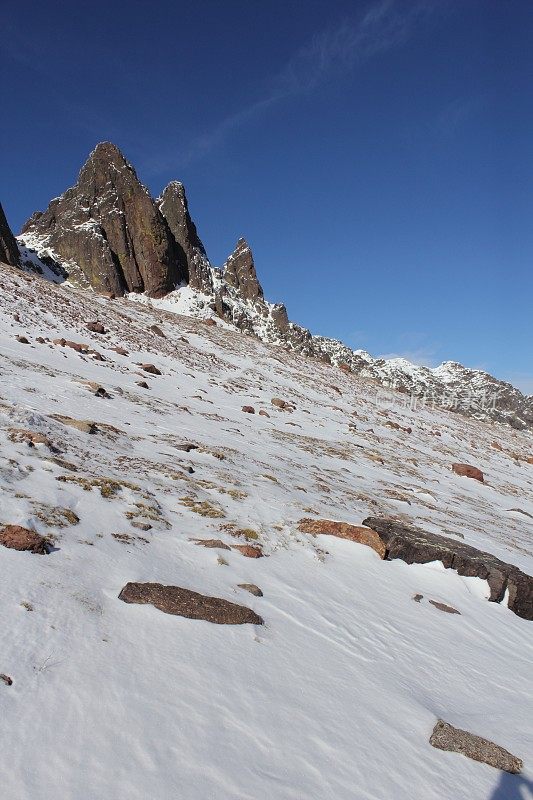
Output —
<point x="335" y="696"/>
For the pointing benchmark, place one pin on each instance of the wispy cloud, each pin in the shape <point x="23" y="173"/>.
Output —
<point x="335" y="51"/>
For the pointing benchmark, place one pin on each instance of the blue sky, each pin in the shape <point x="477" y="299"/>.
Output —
<point x="378" y="156"/>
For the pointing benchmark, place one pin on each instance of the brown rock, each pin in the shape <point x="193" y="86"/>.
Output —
<point x="214" y="543"/>
<point x="444" y="607"/>
<point x="455" y="740"/>
<point x="248" y="409"/>
<point x="252" y="588"/>
<point x="151" y="369"/>
<point x="283" y="404"/>
<point x="120" y="350"/>
<point x="343" y="530"/>
<point x="9" y="252"/>
<point x="96" y="327"/>
<point x="264" y="413"/>
<point x="185" y="603"/>
<point x="83" y="425"/>
<point x="248" y="550"/>
<point x="142" y="384"/>
<point x="157" y="330"/>
<point x="468" y="471"/>
<point x="31" y="438"/>
<point x="210" y="322"/>
<point x="18" y="538"/>
<point x="22" y="339"/>
<point x="6" y="679"/>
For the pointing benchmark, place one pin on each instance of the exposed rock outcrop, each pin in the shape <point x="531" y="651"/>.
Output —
<point x="185" y="603"/>
<point x="418" y="547"/>
<point x="108" y="231"/>
<point x="239" y="272"/>
<point x="174" y="207"/>
<point x="18" y="538"/>
<point x="9" y="252"/>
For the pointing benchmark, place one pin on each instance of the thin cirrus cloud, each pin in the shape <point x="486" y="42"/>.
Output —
<point x="334" y="51"/>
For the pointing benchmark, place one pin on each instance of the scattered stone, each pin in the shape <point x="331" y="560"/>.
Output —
<point x="210" y="322"/>
<point x="96" y="327"/>
<point x="142" y="384"/>
<point x="120" y="350"/>
<point x="83" y="425"/>
<point x="343" y="530"/>
<point x="468" y="471"/>
<point x="22" y="339"/>
<point x="455" y="740"/>
<point x="444" y="607"/>
<point x="248" y="409"/>
<point x="18" y="538"/>
<point x="415" y="546"/>
<point x="264" y="413"/>
<point x="31" y="438"/>
<point x="141" y="526"/>
<point x="151" y="368"/>
<point x="157" y="330"/>
<point x="283" y="404"/>
<point x="186" y="447"/>
<point x="186" y="603"/>
<point x="214" y="543"/>
<point x="418" y="597"/>
<point x="248" y="550"/>
<point x="6" y="679"/>
<point x="252" y="588"/>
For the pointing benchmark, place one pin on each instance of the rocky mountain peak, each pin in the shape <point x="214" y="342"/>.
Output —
<point x="108" y="231"/>
<point x="173" y="205"/>
<point x="239" y="272"/>
<point x="9" y="252"/>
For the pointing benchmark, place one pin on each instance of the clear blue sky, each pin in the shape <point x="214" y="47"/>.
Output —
<point x="378" y="156"/>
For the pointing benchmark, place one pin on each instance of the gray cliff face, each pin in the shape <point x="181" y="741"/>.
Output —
<point x="9" y="252"/>
<point x="174" y="207"/>
<point x="110" y="228"/>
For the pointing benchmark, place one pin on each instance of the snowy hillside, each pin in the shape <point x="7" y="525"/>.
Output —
<point x="125" y="447"/>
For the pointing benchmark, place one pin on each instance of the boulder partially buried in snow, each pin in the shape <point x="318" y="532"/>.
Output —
<point x="17" y="538"/>
<point x="468" y="471"/>
<point x="455" y="740"/>
<point x="343" y="530"/>
<point x="185" y="603"/>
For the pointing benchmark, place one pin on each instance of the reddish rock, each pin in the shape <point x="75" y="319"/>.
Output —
<point x="249" y="550"/>
<point x="151" y="368"/>
<point x="210" y="322"/>
<point x="18" y="538"/>
<point x="185" y="603"/>
<point x="248" y="409"/>
<point x="468" y="471"/>
<point x="9" y="252"/>
<point x="343" y="530"/>
<point x="497" y="446"/>
<point x="345" y="367"/>
<point x="239" y="272"/>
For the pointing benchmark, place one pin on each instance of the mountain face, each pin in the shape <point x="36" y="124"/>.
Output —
<point x="9" y="252"/>
<point x="173" y="206"/>
<point x="107" y="233"/>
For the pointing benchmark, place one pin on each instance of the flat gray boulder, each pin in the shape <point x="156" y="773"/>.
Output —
<point x="455" y="740"/>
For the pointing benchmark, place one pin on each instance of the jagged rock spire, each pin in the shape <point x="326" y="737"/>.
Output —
<point x="239" y="272"/>
<point x="174" y="207"/>
<point x="9" y="252"/>
<point x="109" y="228"/>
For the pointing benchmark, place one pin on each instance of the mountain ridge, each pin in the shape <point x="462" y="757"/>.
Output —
<point x="107" y="233"/>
